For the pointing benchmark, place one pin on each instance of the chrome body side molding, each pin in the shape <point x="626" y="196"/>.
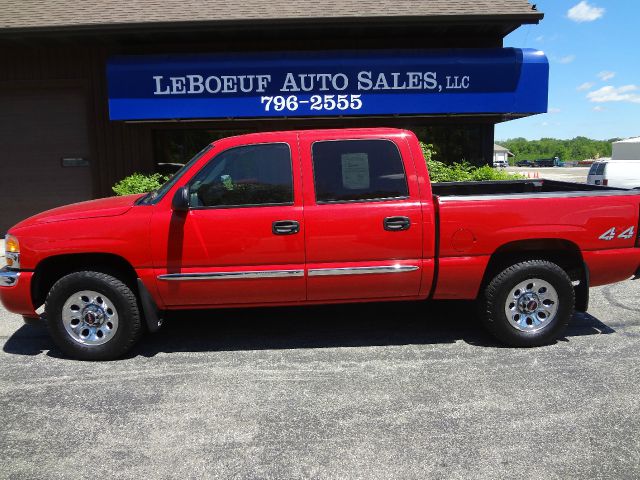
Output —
<point x="232" y="275"/>
<point x="314" y="272"/>
<point x="326" y="272"/>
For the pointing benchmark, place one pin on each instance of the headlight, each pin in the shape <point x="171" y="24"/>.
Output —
<point x="12" y="251"/>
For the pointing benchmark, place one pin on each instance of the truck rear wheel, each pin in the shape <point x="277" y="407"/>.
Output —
<point x="93" y="316"/>
<point x="528" y="304"/>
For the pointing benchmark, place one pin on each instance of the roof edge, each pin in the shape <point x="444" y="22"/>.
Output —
<point x="527" y="18"/>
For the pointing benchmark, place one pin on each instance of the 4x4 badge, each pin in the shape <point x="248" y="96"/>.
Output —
<point x="611" y="234"/>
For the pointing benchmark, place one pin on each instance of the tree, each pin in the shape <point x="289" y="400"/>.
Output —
<point x="575" y="149"/>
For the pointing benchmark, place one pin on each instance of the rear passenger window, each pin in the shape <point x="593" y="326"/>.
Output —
<point x="358" y="170"/>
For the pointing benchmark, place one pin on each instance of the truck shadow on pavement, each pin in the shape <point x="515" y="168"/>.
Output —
<point x="333" y="326"/>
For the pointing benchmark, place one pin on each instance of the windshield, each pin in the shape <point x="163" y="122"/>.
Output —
<point x="154" y="197"/>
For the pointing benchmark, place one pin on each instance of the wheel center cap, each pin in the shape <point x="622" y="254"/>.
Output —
<point x="528" y="303"/>
<point x="93" y="315"/>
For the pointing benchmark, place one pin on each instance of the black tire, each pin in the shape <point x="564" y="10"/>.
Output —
<point x="129" y="326"/>
<point x="493" y="303"/>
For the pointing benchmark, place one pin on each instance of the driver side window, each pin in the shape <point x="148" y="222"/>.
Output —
<point x="251" y="175"/>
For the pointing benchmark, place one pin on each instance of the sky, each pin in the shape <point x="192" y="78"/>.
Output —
<point x="593" y="49"/>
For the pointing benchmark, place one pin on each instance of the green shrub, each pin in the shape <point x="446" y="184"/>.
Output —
<point x="462" y="171"/>
<point x="139" y="183"/>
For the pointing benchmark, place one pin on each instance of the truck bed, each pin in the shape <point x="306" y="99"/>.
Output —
<point x="516" y="187"/>
<point x="477" y="219"/>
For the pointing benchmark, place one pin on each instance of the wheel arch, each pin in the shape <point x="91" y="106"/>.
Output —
<point x="51" y="269"/>
<point x="564" y="253"/>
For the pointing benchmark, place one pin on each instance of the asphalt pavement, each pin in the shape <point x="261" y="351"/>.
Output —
<point x="386" y="391"/>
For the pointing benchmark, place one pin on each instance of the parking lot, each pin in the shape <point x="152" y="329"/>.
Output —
<point x="377" y="391"/>
<point x="565" y="174"/>
<point x="360" y="391"/>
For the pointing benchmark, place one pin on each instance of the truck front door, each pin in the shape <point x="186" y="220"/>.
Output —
<point x="242" y="240"/>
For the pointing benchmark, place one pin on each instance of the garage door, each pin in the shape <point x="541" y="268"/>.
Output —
<point x="38" y="128"/>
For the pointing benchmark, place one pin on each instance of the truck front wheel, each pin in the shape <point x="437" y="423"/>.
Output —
<point x="528" y="304"/>
<point x="93" y="316"/>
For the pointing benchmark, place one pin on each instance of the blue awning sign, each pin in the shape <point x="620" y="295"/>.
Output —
<point x="288" y="84"/>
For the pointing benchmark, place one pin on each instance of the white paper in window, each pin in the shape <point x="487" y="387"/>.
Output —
<point x="355" y="170"/>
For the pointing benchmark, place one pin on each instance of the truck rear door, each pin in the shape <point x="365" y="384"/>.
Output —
<point x="363" y="218"/>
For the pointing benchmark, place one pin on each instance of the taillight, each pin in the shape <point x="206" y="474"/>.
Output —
<point x="605" y="181"/>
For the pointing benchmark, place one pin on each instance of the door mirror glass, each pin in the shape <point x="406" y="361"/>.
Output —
<point x="180" y="201"/>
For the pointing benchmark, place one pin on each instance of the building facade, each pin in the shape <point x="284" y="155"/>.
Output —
<point x="501" y="155"/>
<point x="70" y="128"/>
<point x="627" y="149"/>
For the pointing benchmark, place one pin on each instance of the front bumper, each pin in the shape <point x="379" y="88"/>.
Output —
<point x="15" y="291"/>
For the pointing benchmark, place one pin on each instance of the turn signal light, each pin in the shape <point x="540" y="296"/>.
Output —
<point x="11" y="244"/>
<point x="12" y="251"/>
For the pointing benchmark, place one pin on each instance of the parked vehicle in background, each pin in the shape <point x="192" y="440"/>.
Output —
<point x="615" y="173"/>
<point x="315" y="217"/>
<point x="547" y="162"/>
<point x="524" y="163"/>
<point x="500" y="163"/>
<point x="543" y="162"/>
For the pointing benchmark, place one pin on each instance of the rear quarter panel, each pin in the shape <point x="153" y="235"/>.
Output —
<point x="472" y="230"/>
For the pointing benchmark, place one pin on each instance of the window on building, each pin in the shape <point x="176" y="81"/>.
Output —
<point x="456" y="143"/>
<point x="174" y="147"/>
<point x="357" y="170"/>
<point x="247" y="175"/>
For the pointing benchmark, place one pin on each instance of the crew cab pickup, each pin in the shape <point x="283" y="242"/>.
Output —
<point x="314" y="217"/>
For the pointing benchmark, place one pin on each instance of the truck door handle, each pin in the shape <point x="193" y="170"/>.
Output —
<point x="285" y="227"/>
<point x="395" y="224"/>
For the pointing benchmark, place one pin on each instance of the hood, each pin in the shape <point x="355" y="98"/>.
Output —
<point x="103" y="207"/>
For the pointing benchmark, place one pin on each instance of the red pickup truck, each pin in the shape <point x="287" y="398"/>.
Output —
<point x="313" y="217"/>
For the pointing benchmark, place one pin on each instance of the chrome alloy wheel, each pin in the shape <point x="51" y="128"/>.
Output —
<point x="90" y="318"/>
<point x="531" y="305"/>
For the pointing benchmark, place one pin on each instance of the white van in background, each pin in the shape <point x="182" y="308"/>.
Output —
<point x="615" y="173"/>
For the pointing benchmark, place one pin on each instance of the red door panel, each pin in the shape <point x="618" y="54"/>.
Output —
<point x="212" y="256"/>
<point x="232" y="241"/>
<point x="350" y="254"/>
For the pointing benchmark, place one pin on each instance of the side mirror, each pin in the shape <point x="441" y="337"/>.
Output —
<point x="180" y="202"/>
